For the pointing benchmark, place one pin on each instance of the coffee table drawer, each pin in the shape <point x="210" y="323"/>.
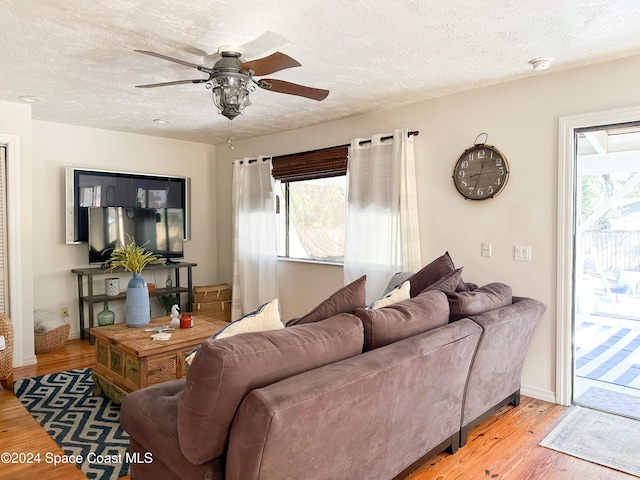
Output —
<point x="161" y="369"/>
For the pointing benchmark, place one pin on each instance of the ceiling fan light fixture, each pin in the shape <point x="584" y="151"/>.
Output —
<point x="231" y="94"/>
<point x="231" y="79"/>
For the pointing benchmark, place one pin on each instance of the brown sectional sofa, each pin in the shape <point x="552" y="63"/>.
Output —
<point x="307" y="402"/>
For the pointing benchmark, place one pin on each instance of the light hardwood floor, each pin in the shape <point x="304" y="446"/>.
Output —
<point x="505" y="446"/>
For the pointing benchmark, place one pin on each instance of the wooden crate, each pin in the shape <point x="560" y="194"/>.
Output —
<point x="211" y="293"/>
<point x="218" y="310"/>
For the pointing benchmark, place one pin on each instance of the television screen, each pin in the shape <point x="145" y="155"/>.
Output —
<point x="160" y="230"/>
<point x="100" y="188"/>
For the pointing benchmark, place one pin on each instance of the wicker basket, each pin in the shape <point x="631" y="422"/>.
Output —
<point x="6" y="355"/>
<point x="52" y="340"/>
<point x="217" y="310"/>
<point x="211" y="293"/>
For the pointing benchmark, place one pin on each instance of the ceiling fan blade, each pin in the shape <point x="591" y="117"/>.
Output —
<point x="281" y="86"/>
<point x="267" y="65"/>
<point x="171" y="59"/>
<point x="175" y="82"/>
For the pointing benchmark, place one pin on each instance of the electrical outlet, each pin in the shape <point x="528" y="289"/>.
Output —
<point x="64" y="313"/>
<point x="486" y="249"/>
<point x="3" y="343"/>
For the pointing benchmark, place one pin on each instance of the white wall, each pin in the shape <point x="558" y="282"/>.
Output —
<point x="56" y="146"/>
<point x="521" y="119"/>
<point x="15" y="123"/>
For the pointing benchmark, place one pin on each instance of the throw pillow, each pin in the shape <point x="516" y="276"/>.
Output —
<point x="265" y="317"/>
<point x="396" y="295"/>
<point x="345" y="300"/>
<point x="44" y="321"/>
<point x="403" y="319"/>
<point x="226" y="370"/>
<point x="448" y="283"/>
<point x="433" y="272"/>
<point x="483" y="299"/>
<point x="397" y="280"/>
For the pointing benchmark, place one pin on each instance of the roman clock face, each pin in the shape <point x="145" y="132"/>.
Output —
<point x="481" y="172"/>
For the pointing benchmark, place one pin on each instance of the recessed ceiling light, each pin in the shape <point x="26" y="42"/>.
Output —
<point x="541" y="63"/>
<point x="30" y="99"/>
<point x="160" y="121"/>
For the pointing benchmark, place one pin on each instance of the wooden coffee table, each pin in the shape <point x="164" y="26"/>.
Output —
<point x="128" y="359"/>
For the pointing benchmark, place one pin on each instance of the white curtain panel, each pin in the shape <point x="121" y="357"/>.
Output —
<point x="255" y="274"/>
<point x="411" y="258"/>
<point x="382" y="235"/>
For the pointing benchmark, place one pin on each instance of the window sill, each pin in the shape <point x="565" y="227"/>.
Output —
<point x="311" y="261"/>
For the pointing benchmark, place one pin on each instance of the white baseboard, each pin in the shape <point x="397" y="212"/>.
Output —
<point x="73" y="335"/>
<point x="539" y="393"/>
<point x="30" y="360"/>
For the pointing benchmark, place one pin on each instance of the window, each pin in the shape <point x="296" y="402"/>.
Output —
<point x="312" y="219"/>
<point x="312" y="209"/>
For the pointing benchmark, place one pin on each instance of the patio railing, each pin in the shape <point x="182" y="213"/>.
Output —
<point x="615" y="250"/>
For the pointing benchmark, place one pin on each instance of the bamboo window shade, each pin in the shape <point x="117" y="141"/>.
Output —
<point x="323" y="163"/>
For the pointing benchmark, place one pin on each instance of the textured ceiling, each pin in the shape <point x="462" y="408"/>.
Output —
<point x="77" y="55"/>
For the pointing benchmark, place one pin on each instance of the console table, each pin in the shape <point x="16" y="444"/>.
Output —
<point x="90" y="298"/>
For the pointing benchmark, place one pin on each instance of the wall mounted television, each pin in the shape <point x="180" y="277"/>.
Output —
<point x="160" y="230"/>
<point x="85" y="188"/>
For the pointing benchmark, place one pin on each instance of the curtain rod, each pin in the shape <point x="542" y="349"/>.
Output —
<point x="254" y="160"/>
<point x="362" y="142"/>
<point x="388" y="137"/>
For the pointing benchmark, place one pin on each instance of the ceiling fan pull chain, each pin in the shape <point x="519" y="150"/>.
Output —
<point x="229" y="138"/>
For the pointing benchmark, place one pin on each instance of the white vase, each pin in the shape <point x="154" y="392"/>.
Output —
<point x="137" y="304"/>
<point x="112" y="287"/>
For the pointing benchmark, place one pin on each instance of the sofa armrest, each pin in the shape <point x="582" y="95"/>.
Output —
<point x="150" y="417"/>
<point x="496" y="370"/>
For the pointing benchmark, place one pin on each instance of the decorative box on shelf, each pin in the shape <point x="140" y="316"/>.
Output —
<point x="213" y="301"/>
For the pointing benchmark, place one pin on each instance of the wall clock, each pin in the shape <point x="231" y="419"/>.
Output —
<point x="481" y="172"/>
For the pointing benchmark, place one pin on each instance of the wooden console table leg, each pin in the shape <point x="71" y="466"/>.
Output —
<point x="90" y="308"/>
<point x="80" y="306"/>
<point x="190" y="286"/>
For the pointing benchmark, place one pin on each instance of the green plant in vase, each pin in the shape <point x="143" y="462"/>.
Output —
<point x="168" y="301"/>
<point x="133" y="258"/>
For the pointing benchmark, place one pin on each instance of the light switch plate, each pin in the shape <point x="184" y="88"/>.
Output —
<point x="522" y="253"/>
<point x="3" y="343"/>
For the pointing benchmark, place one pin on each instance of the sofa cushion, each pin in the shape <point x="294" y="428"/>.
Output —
<point x="483" y="299"/>
<point x="403" y="319"/>
<point x="431" y="273"/>
<point x="225" y="370"/>
<point x="345" y="300"/>
<point x="398" y="294"/>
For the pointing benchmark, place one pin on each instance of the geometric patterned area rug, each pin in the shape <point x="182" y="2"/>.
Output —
<point x="81" y="424"/>
<point x="598" y="437"/>
<point x="608" y="354"/>
<point x="611" y="402"/>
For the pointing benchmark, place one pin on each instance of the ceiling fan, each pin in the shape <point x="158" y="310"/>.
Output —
<point x="231" y="79"/>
